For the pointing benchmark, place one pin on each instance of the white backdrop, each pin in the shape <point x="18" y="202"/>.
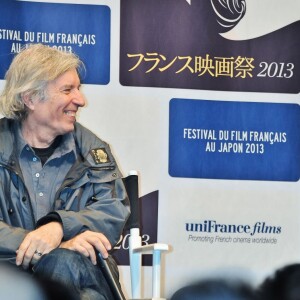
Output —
<point x="135" y="122"/>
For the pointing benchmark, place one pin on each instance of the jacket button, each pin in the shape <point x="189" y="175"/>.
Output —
<point x="24" y="199"/>
<point x="10" y="211"/>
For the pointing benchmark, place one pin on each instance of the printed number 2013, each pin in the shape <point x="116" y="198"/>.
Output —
<point x="273" y="69"/>
<point x="124" y="242"/>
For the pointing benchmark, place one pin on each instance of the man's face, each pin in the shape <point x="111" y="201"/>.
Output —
<point x="57" y="113"/>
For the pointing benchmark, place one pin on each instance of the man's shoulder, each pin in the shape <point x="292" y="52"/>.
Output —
<point x="7" y="140"/>
<point x="83" y="133"/>
<point x="87" y="140"/>
<point x="7" y="127"/>
<point x="6" y="123"/>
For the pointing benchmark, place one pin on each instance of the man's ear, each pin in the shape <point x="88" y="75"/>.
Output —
<point x="27" y="99"/>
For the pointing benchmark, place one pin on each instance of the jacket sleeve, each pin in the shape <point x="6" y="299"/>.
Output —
<point x="97" y="206"/>
<point x="10" y="239"/>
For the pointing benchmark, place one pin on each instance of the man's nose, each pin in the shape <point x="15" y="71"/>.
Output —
<point x="79" y="99"/>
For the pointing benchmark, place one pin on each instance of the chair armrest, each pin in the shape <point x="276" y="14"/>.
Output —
<point x="148" y="249"/>
<point x="156" y="250"/>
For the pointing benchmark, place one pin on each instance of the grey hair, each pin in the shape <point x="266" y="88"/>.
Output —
<point x="29" y="73"/>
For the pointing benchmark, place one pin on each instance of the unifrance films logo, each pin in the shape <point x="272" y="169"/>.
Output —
<point x="210" y="231"/>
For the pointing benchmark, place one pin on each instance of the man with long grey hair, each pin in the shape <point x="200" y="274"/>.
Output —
<point x="62" y="198"/>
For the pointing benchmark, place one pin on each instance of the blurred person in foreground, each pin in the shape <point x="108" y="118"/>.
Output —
<point x="22" y="286"/>
<point x="62" y="198"/>
<point x="17" y="285"/>
<point x="284" y="284"/>
<point x="215" y="289"/>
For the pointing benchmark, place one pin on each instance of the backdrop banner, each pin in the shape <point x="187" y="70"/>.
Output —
<point x="201" y="97"/>
<point x="83" y="29"/>
<point x="234" y="140"/>
<point x="175" y="45"/>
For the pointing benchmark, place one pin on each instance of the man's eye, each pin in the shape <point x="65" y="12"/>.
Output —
<point x="66" y="91"/>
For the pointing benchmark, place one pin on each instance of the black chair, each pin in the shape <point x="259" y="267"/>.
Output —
<point x="136" y="250"/>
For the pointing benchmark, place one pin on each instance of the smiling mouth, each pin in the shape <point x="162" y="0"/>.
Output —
<point x="70" y="113"/>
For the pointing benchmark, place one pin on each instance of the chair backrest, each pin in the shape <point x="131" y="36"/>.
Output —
<point x="131" y="185"/>
<point x="136" y="249"/>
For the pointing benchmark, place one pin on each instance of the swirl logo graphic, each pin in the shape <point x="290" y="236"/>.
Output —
<point x="260" y="18"/>
<point x="229" y="12"/>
